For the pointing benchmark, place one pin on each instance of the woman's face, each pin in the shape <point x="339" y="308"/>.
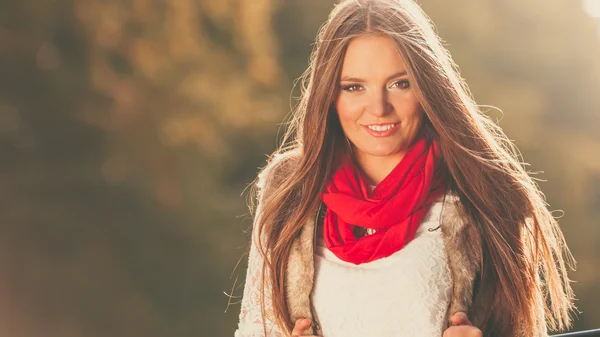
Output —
<point x="376" y="105"/>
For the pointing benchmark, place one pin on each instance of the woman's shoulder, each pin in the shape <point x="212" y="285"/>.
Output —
<point x="279" y="166"/>
<point x="450" y="197"/>
<point x="452" y="217"/>
<point x="444" y="203"/>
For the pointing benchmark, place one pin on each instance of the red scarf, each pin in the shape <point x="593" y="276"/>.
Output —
<point x="395" y="209"/>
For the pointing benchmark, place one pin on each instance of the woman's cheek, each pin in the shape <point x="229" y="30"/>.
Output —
<point x="349" y="112"/>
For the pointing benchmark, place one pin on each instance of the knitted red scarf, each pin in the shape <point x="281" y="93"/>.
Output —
<point x="394" y="209"/>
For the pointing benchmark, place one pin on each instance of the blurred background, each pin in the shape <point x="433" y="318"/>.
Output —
<point x="130" y="130"/>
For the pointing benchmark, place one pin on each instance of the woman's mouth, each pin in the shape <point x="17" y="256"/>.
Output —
<point x="381" y="130"/>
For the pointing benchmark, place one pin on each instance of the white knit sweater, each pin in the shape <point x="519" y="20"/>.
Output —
<point x="403" y="295"/>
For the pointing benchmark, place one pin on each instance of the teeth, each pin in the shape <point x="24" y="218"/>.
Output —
<point x="380" y="127"/>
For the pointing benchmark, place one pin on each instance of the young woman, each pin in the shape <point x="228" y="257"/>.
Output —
<point x="394" y="207"/>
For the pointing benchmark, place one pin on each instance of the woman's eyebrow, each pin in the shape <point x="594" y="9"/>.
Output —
<point x="360" y="80"/>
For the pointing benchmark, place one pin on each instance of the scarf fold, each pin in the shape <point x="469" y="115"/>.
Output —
<point x="394" y="209"/>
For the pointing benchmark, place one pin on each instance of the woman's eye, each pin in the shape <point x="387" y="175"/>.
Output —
<point x="351" y="87"/>
<point x="402" y="84"/>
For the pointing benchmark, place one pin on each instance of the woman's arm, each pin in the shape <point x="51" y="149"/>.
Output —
<point x="252" y="321"/>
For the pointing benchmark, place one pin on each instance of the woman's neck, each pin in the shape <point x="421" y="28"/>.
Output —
<point x="376" y="168"/>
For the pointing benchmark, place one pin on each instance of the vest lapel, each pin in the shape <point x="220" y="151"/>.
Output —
<point x="300" y="272"/>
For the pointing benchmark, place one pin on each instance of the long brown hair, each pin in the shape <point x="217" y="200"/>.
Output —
<point x="523" y="275"/>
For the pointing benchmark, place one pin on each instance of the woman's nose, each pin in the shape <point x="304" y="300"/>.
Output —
<point x="379" y="104"/>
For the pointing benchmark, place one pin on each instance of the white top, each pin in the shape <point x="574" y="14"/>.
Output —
<point x="404" y="294"/>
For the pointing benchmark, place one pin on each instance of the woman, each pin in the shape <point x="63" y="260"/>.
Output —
<point x="398" y="208"/>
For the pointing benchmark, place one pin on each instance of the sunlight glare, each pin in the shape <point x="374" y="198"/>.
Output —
<point x="592" y="7"/>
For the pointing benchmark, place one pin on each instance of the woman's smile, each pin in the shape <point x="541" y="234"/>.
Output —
<point x="381" y="130"/>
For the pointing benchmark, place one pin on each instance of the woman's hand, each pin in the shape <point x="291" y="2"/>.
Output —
<point x="301" y="325"/>
<point x="461" y="327"/>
